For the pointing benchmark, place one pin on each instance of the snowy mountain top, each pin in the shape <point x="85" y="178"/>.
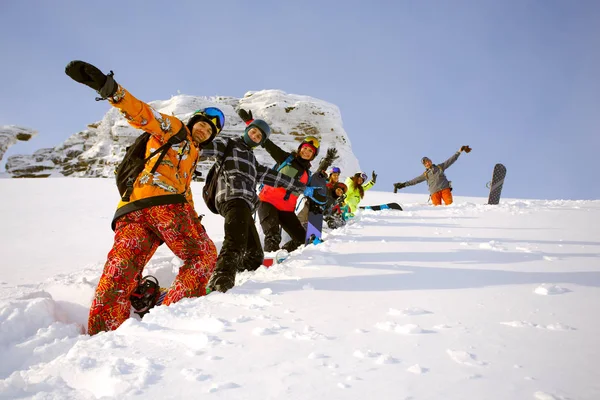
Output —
<point x="95" y="151"/>
<point x="462" y="302"/>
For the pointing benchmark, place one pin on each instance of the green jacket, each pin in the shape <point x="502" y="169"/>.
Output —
<point x="353" y="195"/>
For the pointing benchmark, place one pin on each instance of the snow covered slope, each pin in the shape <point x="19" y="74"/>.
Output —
<point x="461" y="302"/>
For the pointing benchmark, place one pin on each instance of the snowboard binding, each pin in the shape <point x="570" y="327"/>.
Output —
<point x="146" y="295"/>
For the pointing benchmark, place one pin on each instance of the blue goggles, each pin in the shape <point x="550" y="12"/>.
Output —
<point x="214" y="114"/>
<point x="336" y="170"/>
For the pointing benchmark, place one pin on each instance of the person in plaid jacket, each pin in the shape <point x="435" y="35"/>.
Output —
<point x="236" y="200"/>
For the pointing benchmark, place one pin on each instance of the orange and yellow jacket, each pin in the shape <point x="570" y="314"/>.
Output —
<point x="170" y="183"/>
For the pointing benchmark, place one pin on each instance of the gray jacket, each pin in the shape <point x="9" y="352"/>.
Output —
<point x="241" y="173"/>
<point x="434" y="175"/>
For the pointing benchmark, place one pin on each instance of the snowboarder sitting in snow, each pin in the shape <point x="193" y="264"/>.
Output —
<point x="439" y="187"/>
<point x="356" y="189"/>
<point x="236" y="200"/>
<point x="336" y="211"/>
<point x="160" y="207"/>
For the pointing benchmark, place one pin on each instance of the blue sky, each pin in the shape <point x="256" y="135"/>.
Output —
<point x="519" y="81"/>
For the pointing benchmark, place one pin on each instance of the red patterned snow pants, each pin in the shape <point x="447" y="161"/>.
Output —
<point x="137" y="236"/>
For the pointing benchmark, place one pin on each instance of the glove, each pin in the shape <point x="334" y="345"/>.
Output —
<point x="399" y="185"/>
<point x="310" y="190"/>
<point x="466" y="149"/>
<point x="374" y="177"/>
<point x="86" y="73"/>
<point x="332" y="154"/>
<point x="246" y="116"/>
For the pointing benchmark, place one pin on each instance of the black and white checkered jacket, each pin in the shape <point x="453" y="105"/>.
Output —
<point x="241" y="173"/>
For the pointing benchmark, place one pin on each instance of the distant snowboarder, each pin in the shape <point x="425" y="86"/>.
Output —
<point x="439" y="186"/>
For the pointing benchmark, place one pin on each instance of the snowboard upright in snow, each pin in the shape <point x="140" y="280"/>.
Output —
<point x="315" y="209"/>
<point x="496" y="184"/>
<point x="387" y="206"/>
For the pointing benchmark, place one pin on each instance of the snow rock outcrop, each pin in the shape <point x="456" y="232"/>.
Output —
<point x="96" y="151"/>
<point x="10" y="134"/>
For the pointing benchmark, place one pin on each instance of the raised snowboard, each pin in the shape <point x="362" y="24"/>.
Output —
<point x="496" y="184"/>
<point x="315" y="209"/>
<point x="388" y="206"/>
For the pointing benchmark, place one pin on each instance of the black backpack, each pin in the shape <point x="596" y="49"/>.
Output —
<point x="209" y="192"/>
<point x="134" y="161"/>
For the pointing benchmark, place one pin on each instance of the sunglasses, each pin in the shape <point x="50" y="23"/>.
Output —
<point x="215" y="115"/>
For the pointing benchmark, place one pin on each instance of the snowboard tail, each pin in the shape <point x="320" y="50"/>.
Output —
<point x="387" y="206"/>
<point x="314" y="227"/>
<point x="496" y="184"/>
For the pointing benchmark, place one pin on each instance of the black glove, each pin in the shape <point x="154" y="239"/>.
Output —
<point x="91" y="76"/>
<point x="466" y="149"/>
<point x="246" y="116"/>
<point x="374" y="177"/>
<point x="399" y="185"/>
<point x="332" y="154"/>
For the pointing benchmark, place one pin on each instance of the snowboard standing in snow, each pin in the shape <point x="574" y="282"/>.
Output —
<point x="388" y="206"/>
<point x="496" y="184"/>
<point x="315" y="208"/>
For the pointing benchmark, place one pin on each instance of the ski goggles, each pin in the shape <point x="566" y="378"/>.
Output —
<point x="214" y="115"/>
<point x="361" y="175"/>
<point x="336" y="170"/>
<point x="313" y="141"/>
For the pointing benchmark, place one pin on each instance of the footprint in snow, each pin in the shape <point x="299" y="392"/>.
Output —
<point x="417" y="369"/>
<point x="194" y="374"/>
<point x="547" y="289"/>
<point x="539" y="395"/>
<point x="409" y="312"/>
<point x="315" y="356"/>
<point x="275" y="329"/>
<point x="215" y="387"/>
<point x="465" y="358"/>
<point x="406" y="329"/>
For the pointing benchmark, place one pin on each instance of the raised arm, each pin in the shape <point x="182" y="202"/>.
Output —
<point x="139" y="114"/>
<point x="328" y="160"/>
<point x="278" y="154"/>
<point x="449" y="161"/>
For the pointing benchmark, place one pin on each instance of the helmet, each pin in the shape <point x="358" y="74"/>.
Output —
<point x="341" y="186"/>
<point x="361" y="175"/>
<point x="313" y="143"/>
<point x="213" y="116"/>
<point x="263" y="127"/>
<point x="336" y="170"/>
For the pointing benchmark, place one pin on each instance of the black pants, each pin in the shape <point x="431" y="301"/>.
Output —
<point x="270" y="220"/>
<point x="241" y="246"/>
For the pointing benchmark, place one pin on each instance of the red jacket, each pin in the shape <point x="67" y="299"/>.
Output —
<point x="282" y="199"/>
<point x="279" y="196"/>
